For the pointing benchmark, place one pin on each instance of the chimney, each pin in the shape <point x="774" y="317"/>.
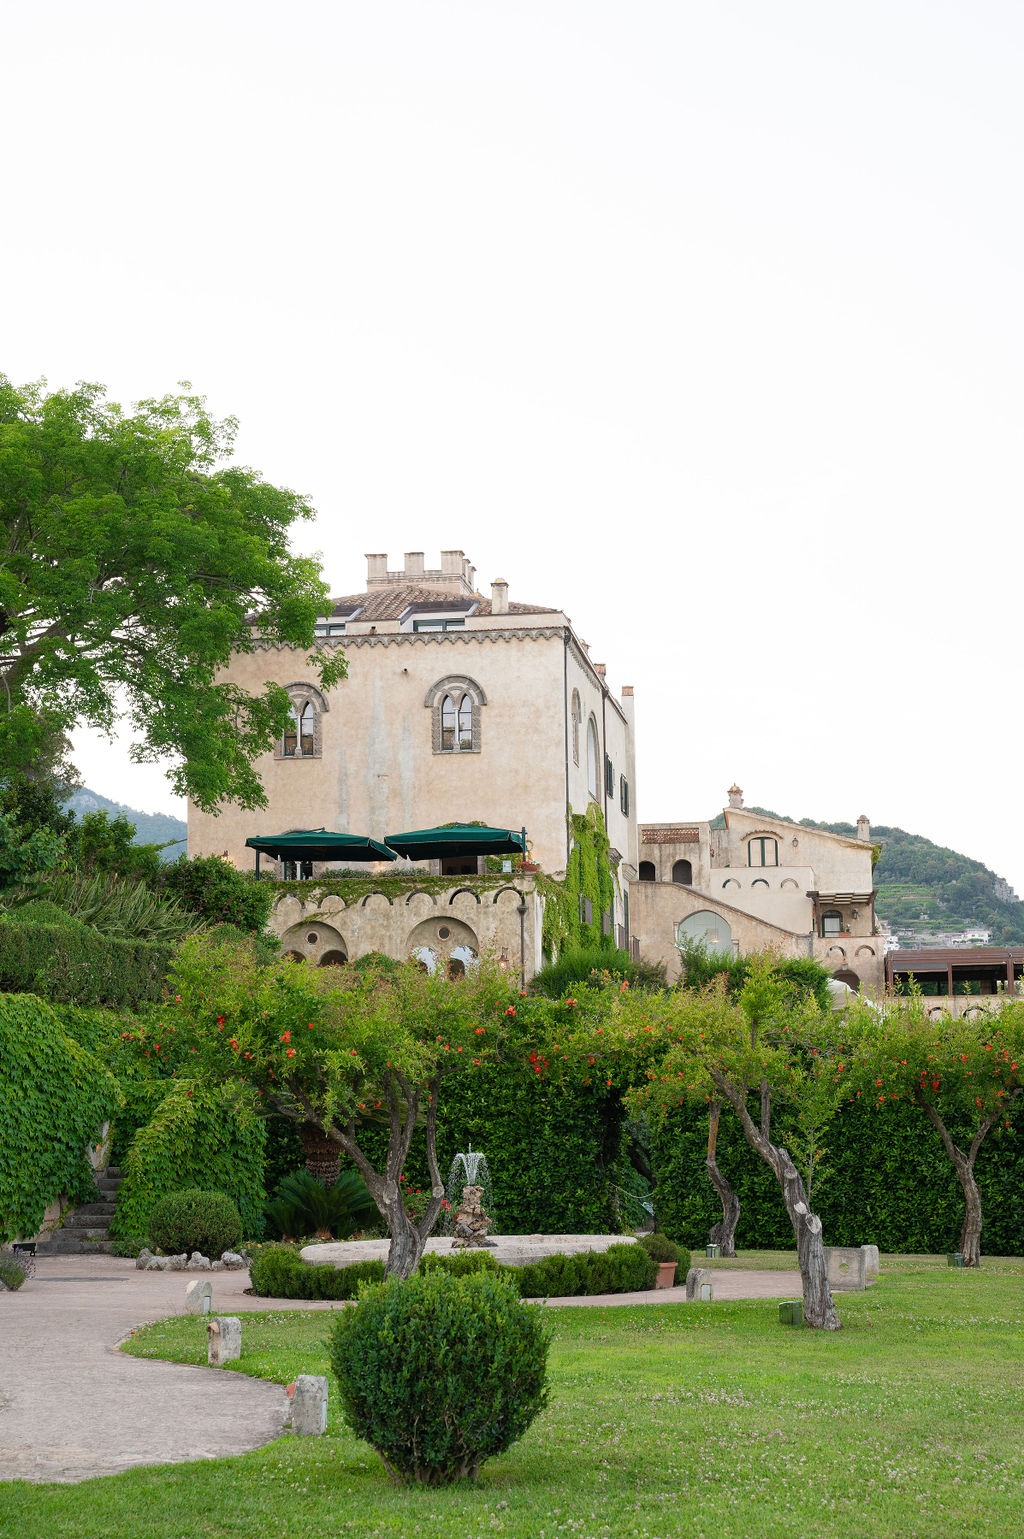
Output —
<point x="468" y="573"/>
<point x="451" y="562"/>
<point x="499" y="596"/>
<point x="627" y="691"/>
<point x="863" y="828"/>
<point x="414" y="563"/>
<point x="735" y="796"/>
<point x="376" y="569"/>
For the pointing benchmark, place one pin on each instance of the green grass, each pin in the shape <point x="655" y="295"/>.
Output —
<point x="664" y="1420"/>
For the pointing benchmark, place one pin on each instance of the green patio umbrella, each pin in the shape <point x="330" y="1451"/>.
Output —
<point x="318" y="844"/>
<point x="457" y="839"/>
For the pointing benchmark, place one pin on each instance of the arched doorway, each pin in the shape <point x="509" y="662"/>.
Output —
<point x="682" y="872"/>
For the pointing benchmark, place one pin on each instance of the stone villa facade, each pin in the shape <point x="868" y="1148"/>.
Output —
<point x="458" y="707"/>
<point x="760" y="883"/>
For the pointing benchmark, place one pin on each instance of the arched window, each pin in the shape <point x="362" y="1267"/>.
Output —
<point x="763" y="851"/>
<point x="576" y="712"/>
<point x="682" y="872"/>
<point x="647" y="871"/>
<point x="593" y="783"/>
<point x="301" y="737"/>
<point x="455" y="704"/>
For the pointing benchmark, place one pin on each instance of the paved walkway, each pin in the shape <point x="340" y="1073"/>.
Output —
<point x="72" y="1406"/>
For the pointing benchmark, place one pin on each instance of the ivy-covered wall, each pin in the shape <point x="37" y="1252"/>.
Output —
<point x="889" y="1184"/>
<point x="589" y="879"/>
<point x="197" y="1136"/>
<point x="54" y="1098"/>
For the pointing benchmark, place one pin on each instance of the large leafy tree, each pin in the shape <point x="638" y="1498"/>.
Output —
<point x="966" y="1075"/>
<point x="771" y="1055"/>
<point x="135" y="560"/>
<point x="348" y="1053"/>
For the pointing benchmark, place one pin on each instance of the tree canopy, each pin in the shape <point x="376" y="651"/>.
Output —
<point x="135" y="561"/>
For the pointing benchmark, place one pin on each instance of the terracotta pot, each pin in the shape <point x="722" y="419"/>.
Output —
<point x="666" y="1277"/>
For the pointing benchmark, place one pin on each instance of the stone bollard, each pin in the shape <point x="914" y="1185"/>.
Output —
<point x="309" y="1407"/>
<point x="955" y="1258"/>
<point x="199" y="1298"/>
<point x="870" y="1260"/>
<point x="698" y="1278"/>
<point x="845" y="1265"/>
<point x="713" y="1250"/>
<point x="224" y="1340"/>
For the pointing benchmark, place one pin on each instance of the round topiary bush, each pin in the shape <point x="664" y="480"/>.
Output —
<point x="194" y="1220"/>
<point x="439" y="1373"/>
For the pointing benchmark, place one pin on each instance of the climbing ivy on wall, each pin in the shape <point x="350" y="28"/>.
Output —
<point x="589" y="879"/>
<point x="199" y="1135"/>
<point x="54" y="1098"/>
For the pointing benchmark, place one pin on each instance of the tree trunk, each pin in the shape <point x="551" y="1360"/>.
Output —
<point x="722" y="1234"/>
<point x="963" y="1164"/>
<point x="819" y="1309"/>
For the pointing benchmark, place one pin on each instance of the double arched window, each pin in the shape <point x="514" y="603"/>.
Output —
<point x="455" y="704"/>
<point x="301" y="738"/>
<point x="762" y="851"/>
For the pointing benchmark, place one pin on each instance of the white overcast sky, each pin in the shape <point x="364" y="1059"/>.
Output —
<point x="702" y="321"/>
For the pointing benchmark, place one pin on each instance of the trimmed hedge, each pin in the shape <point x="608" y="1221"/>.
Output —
<point x="551" y="1148"/>
<point x="278" y="1271"/>
<point x="78" y="965"/>
<point x="54" y="1098"/>
<point x="888" y="1184"/>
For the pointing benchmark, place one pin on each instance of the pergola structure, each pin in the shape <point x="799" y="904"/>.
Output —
<point x="958" y="969"/>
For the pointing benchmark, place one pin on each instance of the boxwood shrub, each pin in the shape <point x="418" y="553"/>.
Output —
<point x="193" y="1219"/>
<point x="439" y="1373"/>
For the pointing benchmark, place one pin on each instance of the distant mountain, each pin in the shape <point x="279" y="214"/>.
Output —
<point x="150" y="827"/>
<point x="925" y="889"/>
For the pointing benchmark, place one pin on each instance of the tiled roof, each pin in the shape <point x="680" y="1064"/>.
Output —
<point x="392" y="602"/>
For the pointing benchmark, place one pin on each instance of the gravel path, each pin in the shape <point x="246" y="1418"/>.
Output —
<point x="72" y="1406"/>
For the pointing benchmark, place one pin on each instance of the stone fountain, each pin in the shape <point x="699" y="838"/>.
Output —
<point x="470" y="1200"/>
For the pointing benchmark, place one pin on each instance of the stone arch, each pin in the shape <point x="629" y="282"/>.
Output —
<point x="503" y="890"/>
<point x="849" y="977"/>
<point x="789" y="882"/>
<point x="647" y="871"/>
<point x="376" y="894"/>
<point x="438" y="941"/>
<point x="464" y="892"/>
<point x="759" y="881"/>
<point x="310" y="939"/>
<point x="682" y="873"/>
<point x="835" y="954"/>
<point x="711" y="929"/>
<point x="333" y="959"/>
<point x="421" y="892"/>
<point x="730" y="881"/>
<point x="865" y="951"/>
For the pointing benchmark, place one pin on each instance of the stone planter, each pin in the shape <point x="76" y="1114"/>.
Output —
<point x="666" y="1277"/>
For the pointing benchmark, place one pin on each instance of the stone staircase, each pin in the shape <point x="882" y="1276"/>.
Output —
<point x="85" y="1230"/>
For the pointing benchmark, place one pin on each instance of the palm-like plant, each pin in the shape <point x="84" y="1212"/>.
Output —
<point x="301" y="1206"/>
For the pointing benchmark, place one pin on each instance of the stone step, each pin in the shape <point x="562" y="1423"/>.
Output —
<point x="90" y="1211"/>
<point x="61" y="1243"/>
<point x="76" y="1232"/>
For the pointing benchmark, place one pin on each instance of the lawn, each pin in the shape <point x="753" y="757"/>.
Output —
<point x="702" y="1420"/>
